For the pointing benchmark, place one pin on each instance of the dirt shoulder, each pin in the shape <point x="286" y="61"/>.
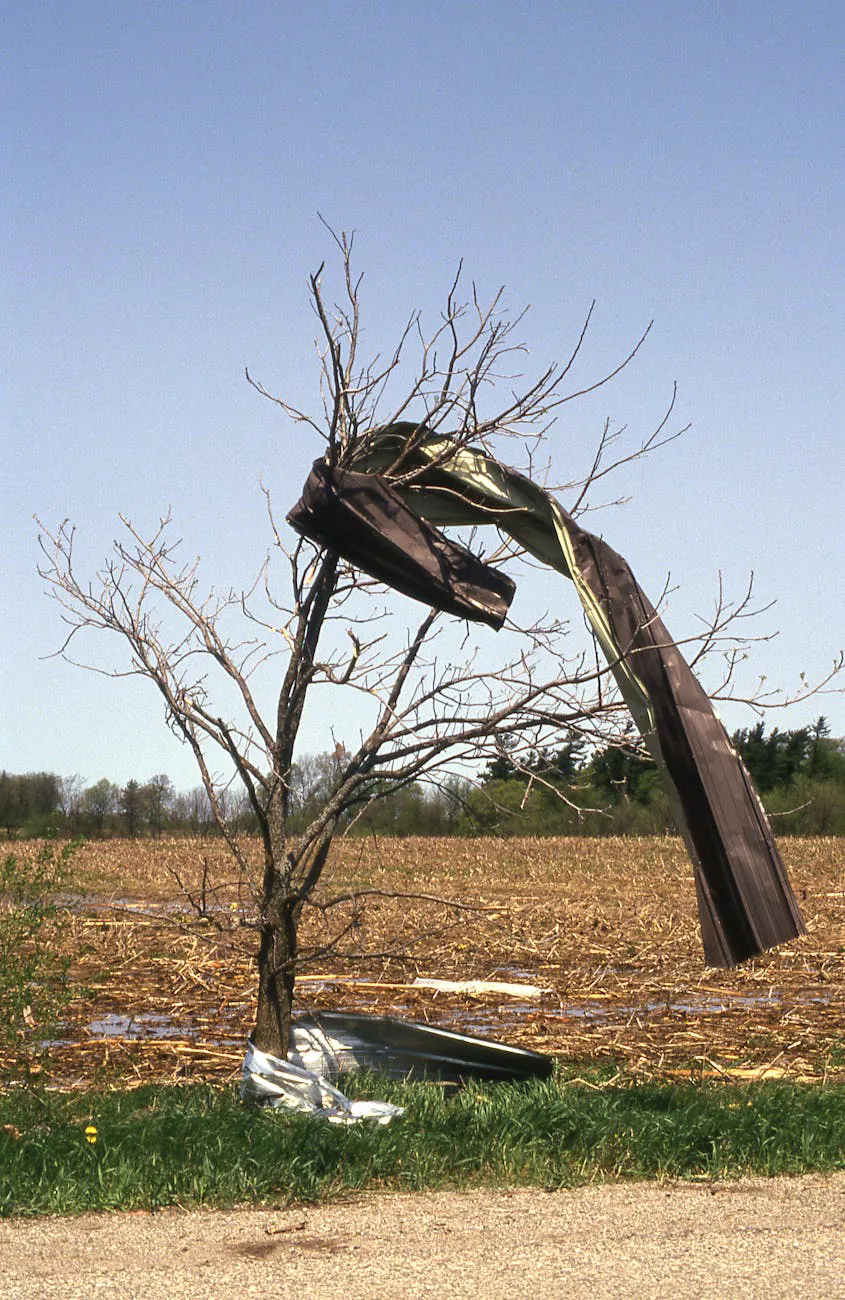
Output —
<point x="772" y="1238"/>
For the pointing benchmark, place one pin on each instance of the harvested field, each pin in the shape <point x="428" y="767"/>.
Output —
<point x="606" y="927"/>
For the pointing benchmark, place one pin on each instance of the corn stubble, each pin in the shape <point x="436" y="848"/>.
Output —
<point x="607" y="925"/>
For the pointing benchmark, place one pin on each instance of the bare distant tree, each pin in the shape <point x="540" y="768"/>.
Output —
<point x="71" y="791"/>
<point x="158" y="796"/>
<point x="99" y="801"/>
<point x="429" y="713"/>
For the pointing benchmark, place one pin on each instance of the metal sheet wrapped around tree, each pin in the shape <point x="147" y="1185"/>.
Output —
<point x="746" y="903"/>
<point x="366" y="521"/>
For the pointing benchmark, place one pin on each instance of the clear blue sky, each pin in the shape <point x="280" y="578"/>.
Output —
<point x="164" y="166"/>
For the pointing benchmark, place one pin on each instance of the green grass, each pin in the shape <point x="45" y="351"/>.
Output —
<point x="197" y="1145"/>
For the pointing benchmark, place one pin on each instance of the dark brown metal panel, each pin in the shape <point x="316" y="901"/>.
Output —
<point x="362" y="518"/>
<point x="745" y="900"/>
<point x="746" y="903"/>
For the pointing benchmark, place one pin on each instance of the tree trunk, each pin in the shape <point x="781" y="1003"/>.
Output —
<point x="276" y="976"/>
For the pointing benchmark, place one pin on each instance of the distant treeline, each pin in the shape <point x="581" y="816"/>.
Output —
<point x="800" y="775"/>
<point x="42" y="803"/>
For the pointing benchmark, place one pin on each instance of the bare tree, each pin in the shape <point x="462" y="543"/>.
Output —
<point x="429" y="711"/>
<point x="99" y="802"/>
<point x="71" y="790"/>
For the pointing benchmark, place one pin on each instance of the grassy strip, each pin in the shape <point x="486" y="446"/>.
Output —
<point x="196" y="1145"/>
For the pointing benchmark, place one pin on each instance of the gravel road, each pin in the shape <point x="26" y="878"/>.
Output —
<point x="778" y="1238"/>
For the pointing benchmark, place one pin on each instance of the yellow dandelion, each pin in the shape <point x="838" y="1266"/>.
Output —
<point x="90" y="1134"/>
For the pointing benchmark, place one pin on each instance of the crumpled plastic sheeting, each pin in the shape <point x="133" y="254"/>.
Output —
<point x="269" y="1081"/>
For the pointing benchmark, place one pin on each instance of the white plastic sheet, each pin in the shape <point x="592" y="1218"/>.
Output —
<point x="269" y="1081"/>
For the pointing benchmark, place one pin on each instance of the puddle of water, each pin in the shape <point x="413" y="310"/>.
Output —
<point x="692" y="1006"/>
<point x="503" y="1017"/>
<point x="141" y="1026"/>
<point x="121" y="905"/>
<point x="496" y="1018"/>
<point x="601" y="1010"/>
<point x="161" y="1027"/>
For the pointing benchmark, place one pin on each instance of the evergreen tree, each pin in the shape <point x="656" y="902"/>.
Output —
<point x="132" y="808"/>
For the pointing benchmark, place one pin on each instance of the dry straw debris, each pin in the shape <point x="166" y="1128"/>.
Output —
<point x="607" y="925"/>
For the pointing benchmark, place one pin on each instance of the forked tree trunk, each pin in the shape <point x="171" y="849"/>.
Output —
<point x="282" y="905"/>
